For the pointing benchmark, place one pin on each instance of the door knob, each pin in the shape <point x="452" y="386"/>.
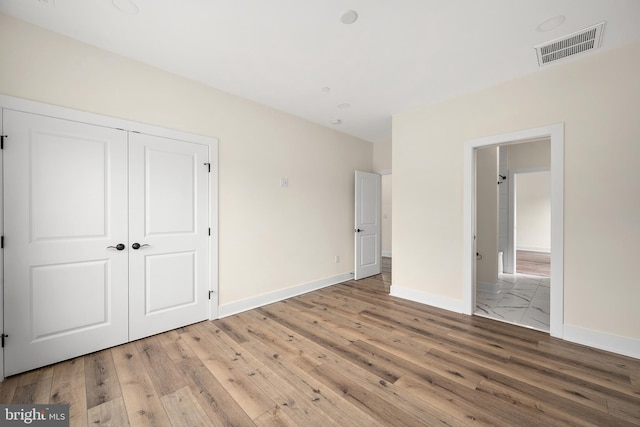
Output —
<point x="119" y="246"/>
<point x="137" y="245"/>
<point x="358" y="230"/>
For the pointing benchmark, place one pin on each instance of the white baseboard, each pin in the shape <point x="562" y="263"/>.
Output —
<point x="602" y="340"/>
<point x="229" y="309"/>
<point x="386" y="254"/>
<point x="596" y="339"/>
<point x="429" y="299"/>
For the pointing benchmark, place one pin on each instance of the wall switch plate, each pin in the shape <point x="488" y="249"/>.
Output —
<point x="337" y="259"/>
<point x="284" y="182"/>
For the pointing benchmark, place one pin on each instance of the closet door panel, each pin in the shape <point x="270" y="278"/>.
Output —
<point x="168" y="218"/>
<point x="65" y="204"/>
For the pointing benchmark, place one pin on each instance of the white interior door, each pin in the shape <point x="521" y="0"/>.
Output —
<point x="2" y="251"/>
<point x="65" y="187"/>
<point x="168" y="218"/>
<point x="367" y="225"/>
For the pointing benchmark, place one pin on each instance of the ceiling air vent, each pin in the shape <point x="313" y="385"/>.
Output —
<point x="572" y="44"/>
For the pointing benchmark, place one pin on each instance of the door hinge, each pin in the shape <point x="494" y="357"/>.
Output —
<point x="211" y="292"/>
<point x="2" y="242"/>
<point x="209" y="231"/>
<point x="3" y="337"/>
<point x="209" y="166"/>
<point x="2" y="137"/>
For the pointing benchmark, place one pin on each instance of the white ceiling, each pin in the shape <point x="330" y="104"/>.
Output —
<point x="399" y="54"/>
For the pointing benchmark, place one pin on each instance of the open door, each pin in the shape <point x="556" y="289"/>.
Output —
<point x="367" y="225"/>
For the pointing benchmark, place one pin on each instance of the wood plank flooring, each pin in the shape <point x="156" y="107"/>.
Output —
<point x="346" y="355"/>
<point x="530" y="262"/>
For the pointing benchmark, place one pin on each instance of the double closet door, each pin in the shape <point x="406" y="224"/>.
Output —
<point x="106" y="237"/>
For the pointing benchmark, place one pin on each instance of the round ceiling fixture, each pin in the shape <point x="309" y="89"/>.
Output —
<point x="349" y="17"/>
<point x="126" y="6"/>
<point x="336" y="122"/>
<point x="551" y="23"/>
<point x="325" y="89"/>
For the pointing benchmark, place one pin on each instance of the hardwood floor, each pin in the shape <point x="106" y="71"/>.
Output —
<point x="530" y="262"/>
<point x="346" y="355"/>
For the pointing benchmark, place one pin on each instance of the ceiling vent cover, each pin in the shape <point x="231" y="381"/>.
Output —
<point x="572" y="44"/>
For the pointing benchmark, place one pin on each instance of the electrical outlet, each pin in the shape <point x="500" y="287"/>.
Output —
<point x="337" y="259"/>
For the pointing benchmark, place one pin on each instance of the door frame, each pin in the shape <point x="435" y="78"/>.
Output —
<point x="382" y="174"/>
<point x="33" y="107"/>
<point x="510" y="255"/>
<point x="555" y="133"/>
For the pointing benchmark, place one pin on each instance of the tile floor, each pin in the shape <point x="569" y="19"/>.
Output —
<point x="521" y="299"/>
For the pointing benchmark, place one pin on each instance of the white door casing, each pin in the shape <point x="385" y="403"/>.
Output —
<point x="168" y="211"/>
<point x="367" y="224"/>
<point x="65" y="211"/>
<point x="555" y="133"/>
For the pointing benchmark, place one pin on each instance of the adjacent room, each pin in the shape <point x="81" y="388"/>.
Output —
<point x="514" y="286"/>
<point x="320" y="213"/>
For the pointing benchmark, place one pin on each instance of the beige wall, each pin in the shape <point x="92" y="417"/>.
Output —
<point x="598" y="99"/>
<point x="533" y="211"/>
<point x="487" y="215"/>
<point x="270" y="238"/>
<point x="382" y="163"/>
<point x="382" y="156"/>
<point x="529" y="155"/>
<point x="533" y="219"/>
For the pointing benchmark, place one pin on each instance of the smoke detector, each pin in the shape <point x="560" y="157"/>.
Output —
<point x="579" y="42"/>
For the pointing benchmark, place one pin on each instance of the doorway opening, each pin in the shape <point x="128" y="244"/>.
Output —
<point x="512" y="278"/>
<point x="385" y="227"/>
<point x="473" y="216"/>
<point x="527" y="229"/>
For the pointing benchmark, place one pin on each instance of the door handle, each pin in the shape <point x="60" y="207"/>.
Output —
<point x="358" y="230"/>
<point x="137" y="245"/>
<point x="119" y="246"/>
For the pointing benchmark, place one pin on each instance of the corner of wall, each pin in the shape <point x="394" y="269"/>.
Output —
<point x="438" y="301"/>
<point x="602" y="340"/>
<point x="382" y="156"/>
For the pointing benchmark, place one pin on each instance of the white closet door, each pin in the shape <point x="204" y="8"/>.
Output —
<point x="65" y="187"/>
<point x="168" y="218"/>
